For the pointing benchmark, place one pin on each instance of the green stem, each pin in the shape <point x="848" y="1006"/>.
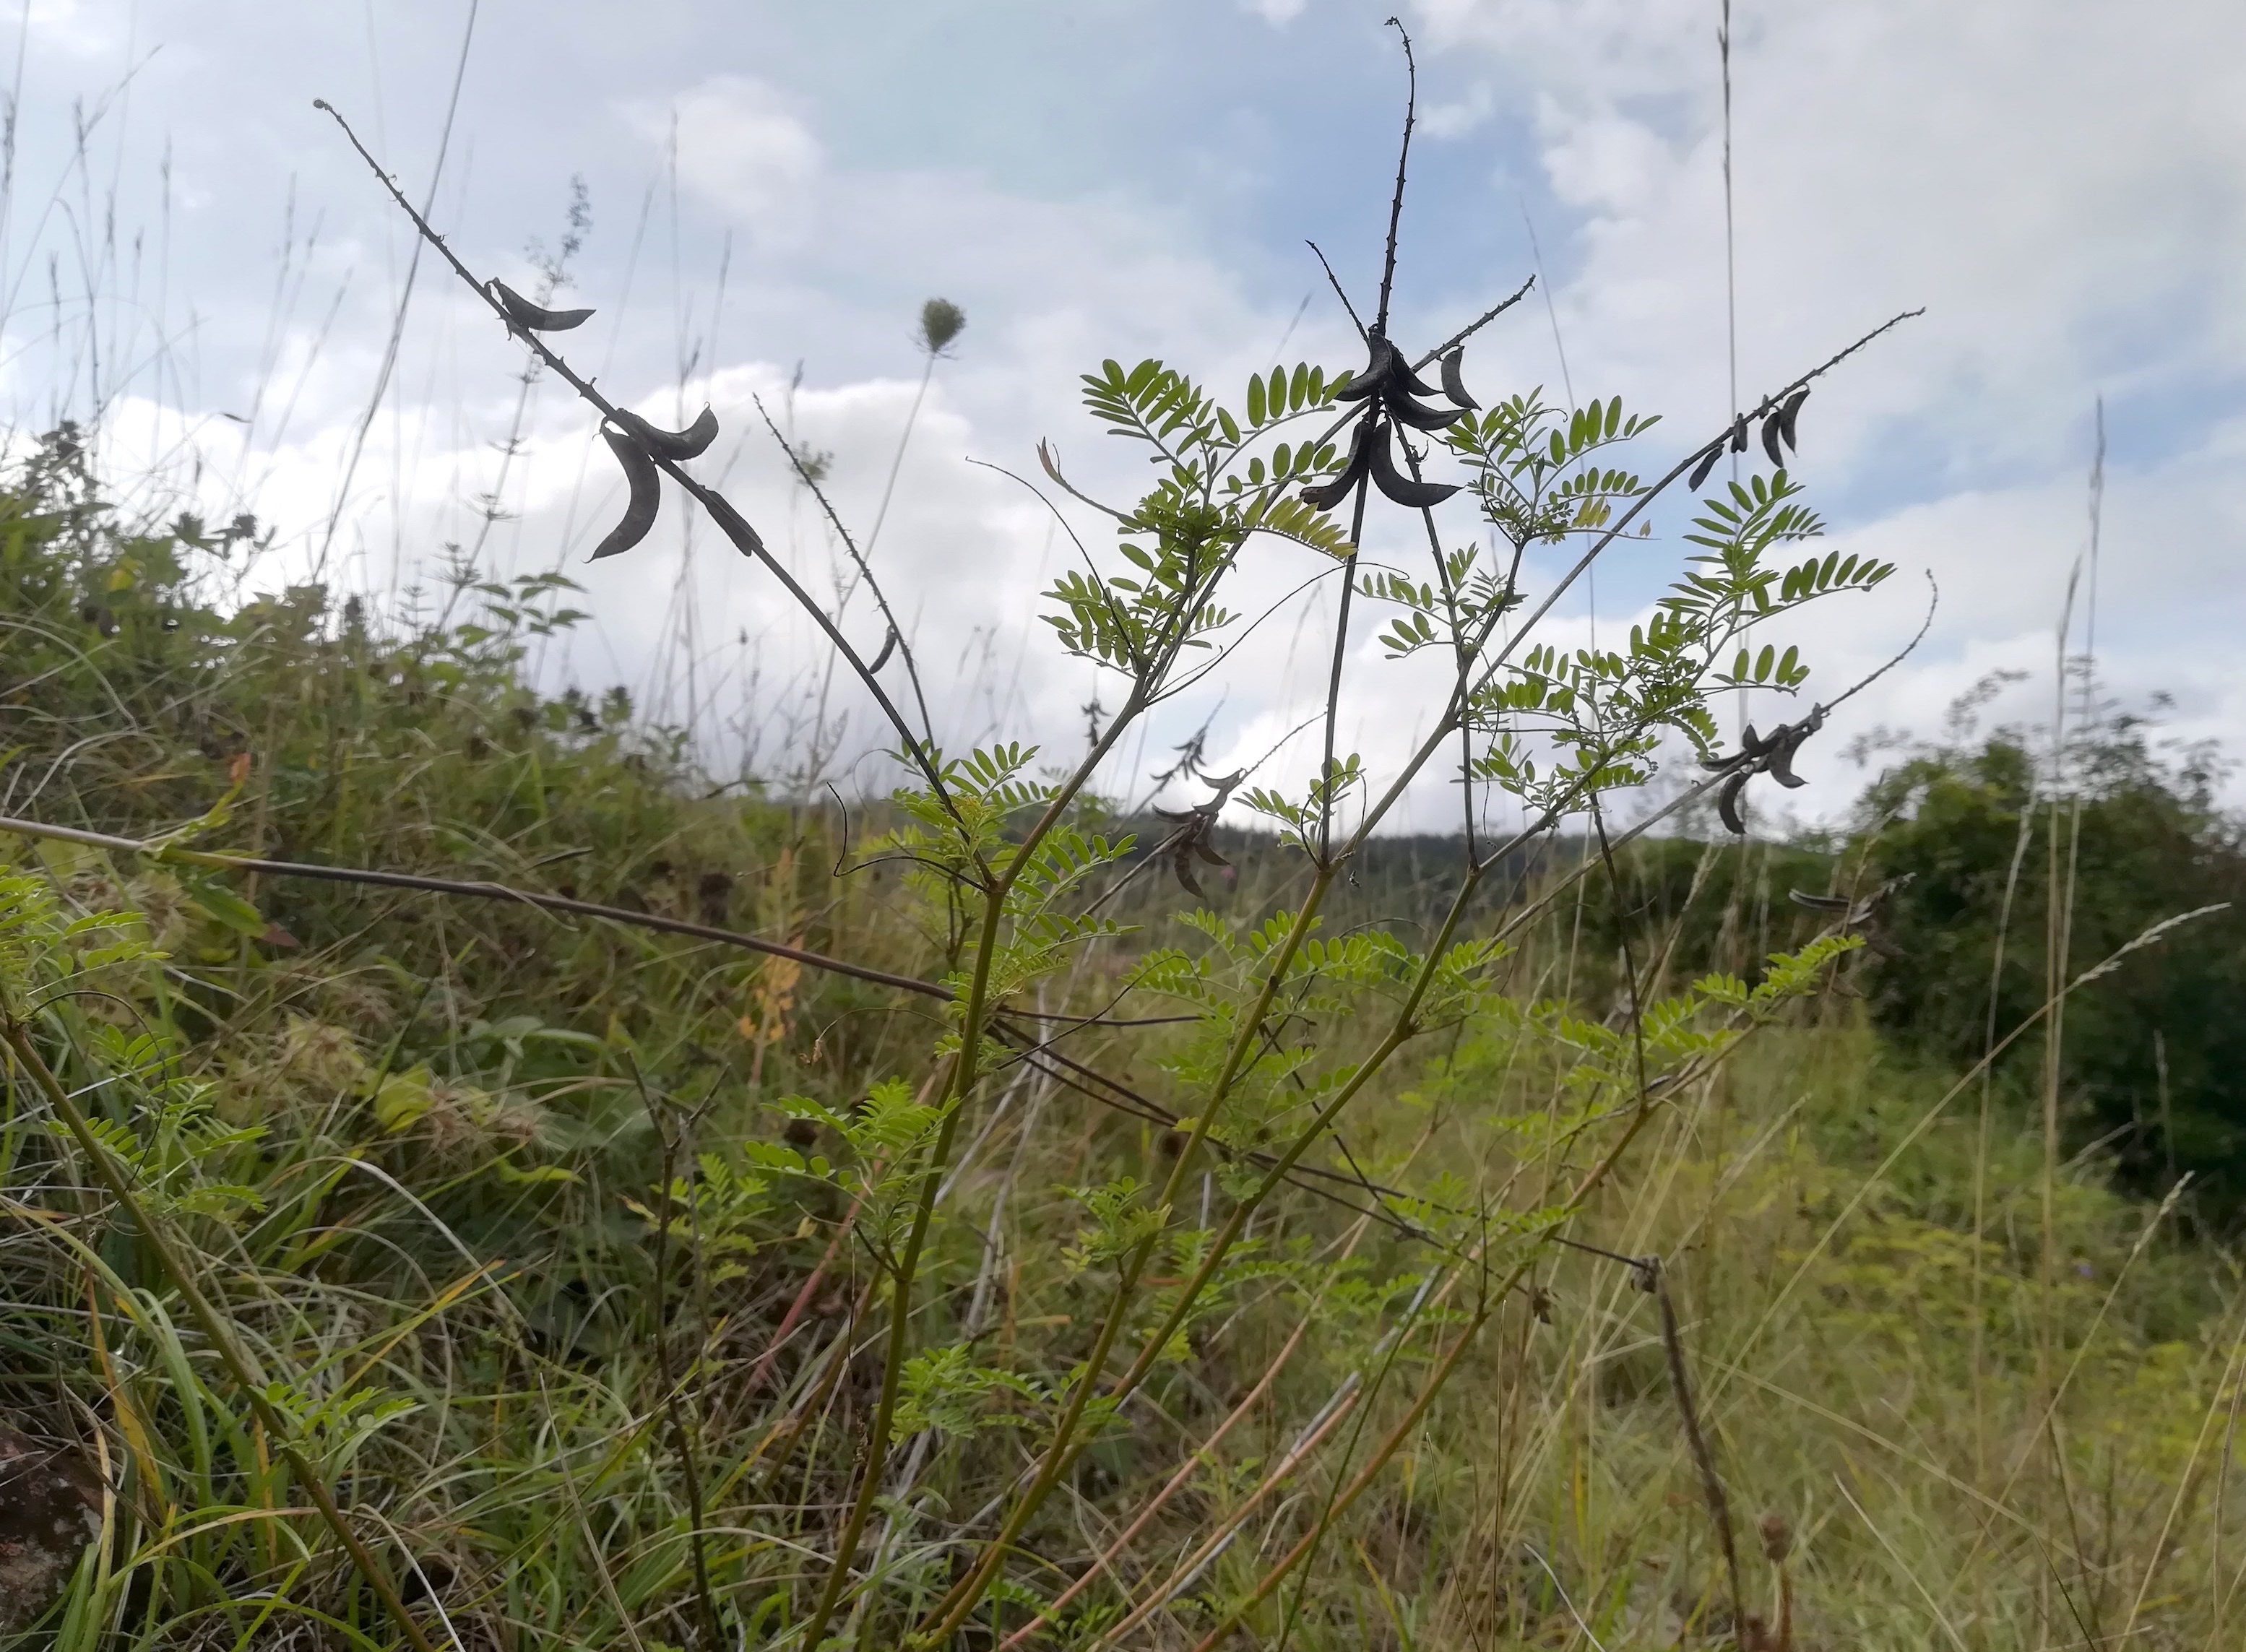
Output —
<point x="235" y="1358"/>
<point x="973" y="1014"/>
<point x="1589" y="1184"/>
<point x="1063" y="1450"/>
<point x="1388" y="1449"/>
<point x="893" y="1364"/>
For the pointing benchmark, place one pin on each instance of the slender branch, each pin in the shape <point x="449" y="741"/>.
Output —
<point x="730" y="521"/>
<point x="1134" y="1105"/>
<point x="1388" y="1448"/>
<point x="174" y="855"/>
<point x="857" y="558"/>
<point x="1041" y="1055"/>
<point x="1201" y="1455"/>
<point x="1403" y="154"/>
<point x="1585" y="1186"/>
<point x="1063" y="1449"/>
<point x="1326" y="780"/>
<point x="1712" y="1482"/>
<point x="1615" y="529"/>
<point x="1462" y="658"/>
<point x="1476" y="324"/>
<point x="1334" y="282"/>
<point x="973" y="1016"/>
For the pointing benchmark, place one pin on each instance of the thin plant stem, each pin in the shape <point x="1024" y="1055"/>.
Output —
<point x="1704" y="1459"/>
<point x="730" y="521"/>
<point x="964" y="1074"/>
<point x="680" y="1433"/>
<point x="897" y="460"/>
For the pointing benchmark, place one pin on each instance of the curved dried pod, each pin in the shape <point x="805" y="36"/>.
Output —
<point x="532" y="318"/>
<point x="1455" y="383"/>
<point x="690" y="443"/>
<point x="1772" y="431"/>
<point x="1325" y="495"/>
<point x="732" y="524"/>
<point x="1404" y="411"/>
<point x="1375" y="377"/>
<point x="1789" y="412"/>
<point x="1400" y="488"/>
<point x="1708" y="458"/>
<point x="1402" y="375"/>
<point x="1727" y="804"/>
<point x="646" y="495"/>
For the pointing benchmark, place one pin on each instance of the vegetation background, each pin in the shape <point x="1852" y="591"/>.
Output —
<point x="500" y="1201"/>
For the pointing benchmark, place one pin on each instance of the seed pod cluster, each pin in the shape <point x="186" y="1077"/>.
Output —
<point x="1865" y="916"/>
<point x="1191" y="839"/>
<point x="1777" y="435"/>
<point x="1389" y="389"/>
<point x="637" y="444"/>
<point x="1771" y="754"/>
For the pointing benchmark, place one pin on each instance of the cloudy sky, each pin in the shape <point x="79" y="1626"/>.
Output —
<point x="195" y="260"/>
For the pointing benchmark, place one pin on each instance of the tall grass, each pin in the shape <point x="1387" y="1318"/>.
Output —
<point x="523" y="1222"/>
<point x="520" y="1385"/>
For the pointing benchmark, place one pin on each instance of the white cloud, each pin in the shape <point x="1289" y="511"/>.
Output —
<point x="1444" y="121"/>
<point x="2048" y="176"/>
<point x="743" y="146"/>
<point x="75" y="27"/>
<point x="2052" y="181"/>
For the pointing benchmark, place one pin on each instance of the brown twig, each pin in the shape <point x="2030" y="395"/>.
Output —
<point x="478" y="890"/>
<point x="1651" y="1278"/>
<point x="1476" y="324"/>
<point x="681" y="1435"/>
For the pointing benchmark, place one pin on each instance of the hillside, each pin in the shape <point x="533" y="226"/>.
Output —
<point x="524" y="1220"/>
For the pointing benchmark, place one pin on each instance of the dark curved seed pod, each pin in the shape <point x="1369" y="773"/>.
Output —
<point x="1772" y="430"/>
<point x="1788" y="413"/>
<point x="1404" y="376"/>
<point x="1413" y="496"/>
<point x="1376" y="375"/>
<point x="1781" y="769"/>
<point x="646" y="496"/>
<point x="690" y="443"/>
<point x="1740" y="434"/>
<point x="1404" y="411"/>
<point x="888" y="647"/>
<point x="731" y="523"/>
<point x="1454" y="383"/>
<point x="1818" y="902"/>
<point x="1727" y="804"/>
<point x="1326" y="495"/>
<point x="531" y="318"/>
<point x="1707" y="463"/>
